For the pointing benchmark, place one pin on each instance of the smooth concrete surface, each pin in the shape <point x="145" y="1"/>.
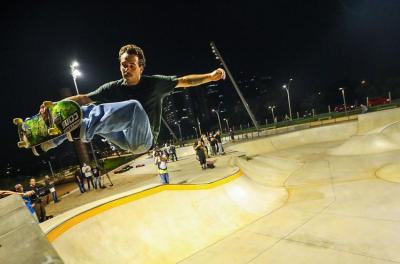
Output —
<point x="319" y="195"/>
<point x="21" y="239"/>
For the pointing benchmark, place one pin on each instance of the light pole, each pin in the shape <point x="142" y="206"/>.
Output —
<point x="344" y="100"/>
<point x="219" y="120"/>
<point x="180" y="131"/>
<point x="272" y="111"/>
<point x="287" y="87"/>
<point x="246" y="105"/>
<point x="75" y="74"/>
<point x="227" y="123"/>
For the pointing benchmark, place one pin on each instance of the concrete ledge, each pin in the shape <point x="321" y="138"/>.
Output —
<point x="21" y="238"/>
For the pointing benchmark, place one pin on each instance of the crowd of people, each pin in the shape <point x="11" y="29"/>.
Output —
<point x="208" y="145"/>
<point x="37" y="197"/>
<point x="92" y="176"/>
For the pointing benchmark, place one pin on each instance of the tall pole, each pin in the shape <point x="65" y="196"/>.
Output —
<point x="272" y="111"/>
<point x="219" y="57"/>
<point x="51" y="169"/>
<point x="180" y="131"/>
<point x="80" y="148"/>
<point x="227" y="123"/>
<point x="344" y="100"/>
<point x="219" y="120"/>
<point x="287" y="87"/>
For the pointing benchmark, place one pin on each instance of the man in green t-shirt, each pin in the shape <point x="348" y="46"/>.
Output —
<point x="127" y="112"/>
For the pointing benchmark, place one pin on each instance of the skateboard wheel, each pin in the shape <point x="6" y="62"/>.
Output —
<point x="35" y="152"/>
<point x="47" y="103"/>
<point x="52" y="131"/>
<point x="22" y="144"/>
<point x="69" y="137"/>
<point x="17" y="121"/>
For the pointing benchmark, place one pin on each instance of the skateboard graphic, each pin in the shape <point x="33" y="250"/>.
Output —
<point x="57" y="119"/>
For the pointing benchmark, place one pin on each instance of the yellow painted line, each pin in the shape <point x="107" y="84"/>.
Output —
<point x="65" y="226"/>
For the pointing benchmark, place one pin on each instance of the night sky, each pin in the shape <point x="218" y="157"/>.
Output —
<point x="321" y="43"/>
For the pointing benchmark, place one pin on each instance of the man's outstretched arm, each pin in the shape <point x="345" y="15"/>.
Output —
<point x="198" y="79"/>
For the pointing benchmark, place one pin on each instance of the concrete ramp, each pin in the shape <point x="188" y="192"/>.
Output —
<point x="164" y="224"/>
<point x="21" y="239"/>
<point x="379" y="140"/>
<point x="373" y="122"/>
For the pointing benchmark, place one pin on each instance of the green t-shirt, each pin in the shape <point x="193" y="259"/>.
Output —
<point x="150" y="92"/>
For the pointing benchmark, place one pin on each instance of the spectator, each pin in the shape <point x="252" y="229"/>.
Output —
<point x="219" y="142"/>
<point x="19" y="190"/>
<point x="51" y="187"/>
<point x="172" y="151"/>
<point x="87" y="171"/>
<point x="37" y="203"/>
<point x="206" y="144"/>
<point x="97" y="181"/>
<point x="213" y="143"/>
<point x="161" y="162"/>
<point x="231" y="134"/>
<point x="79" y="180"/>
<point x="201" y="154"/>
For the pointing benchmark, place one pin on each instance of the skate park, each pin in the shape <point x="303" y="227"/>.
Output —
<point x="328" y="193"/>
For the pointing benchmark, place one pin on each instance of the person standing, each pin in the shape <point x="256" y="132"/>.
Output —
<point x="172" y="151"/>
<point x="213" y="143"/>
<point x="87" y="171"/>
<point x="37" y="203"/>
<point x="161" y="162"/>
<point x="232" y="134"/>
<point x="51" y="187"/>
<point x="25" y="196"/>
<point x="96" y="175"/>
<point x="79" y="180"/>
<point x="219" y="142"/>
<point x="201" y="154"/>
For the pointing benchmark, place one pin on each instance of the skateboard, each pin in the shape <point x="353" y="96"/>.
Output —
<point x="56" y="120"/>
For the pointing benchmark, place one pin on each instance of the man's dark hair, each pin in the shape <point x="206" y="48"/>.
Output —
<point x="132" y="49"/>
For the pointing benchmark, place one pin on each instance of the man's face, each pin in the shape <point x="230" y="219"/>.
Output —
<point x="32" y="182"/>
<point x="130" y="69"/>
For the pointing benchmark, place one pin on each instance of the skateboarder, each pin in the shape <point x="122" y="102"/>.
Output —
<point x="127" y="112"/>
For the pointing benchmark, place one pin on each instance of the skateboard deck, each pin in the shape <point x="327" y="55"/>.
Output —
<point x="57" y="119"/>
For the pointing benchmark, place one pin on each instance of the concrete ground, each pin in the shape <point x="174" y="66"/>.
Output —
<point x="329" y="194"/>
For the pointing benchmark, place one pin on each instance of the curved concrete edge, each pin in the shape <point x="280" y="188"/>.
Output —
<point x="21" y="239"/>
<point x="60" y="225"/>
<point x="312" y="135"/>
<point x="368" y="123"/>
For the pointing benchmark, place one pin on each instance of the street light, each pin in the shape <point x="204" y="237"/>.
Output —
<point x="180" y="131"/>
<point x="219" y="120"/>
<point x="227" y="123"/>
<point x="75" y="74"/>
<point x="272" y="111"/>
<point x="344" y="100"/>
<point x="287" y="87"/>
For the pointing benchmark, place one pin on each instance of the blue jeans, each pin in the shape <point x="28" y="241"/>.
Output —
<point x="54" y="194"/>
<point x="164" y="177"/>
<point x="124" y="124"/>
<point x="81" y="187"/>
<point x="96" y="182"/>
